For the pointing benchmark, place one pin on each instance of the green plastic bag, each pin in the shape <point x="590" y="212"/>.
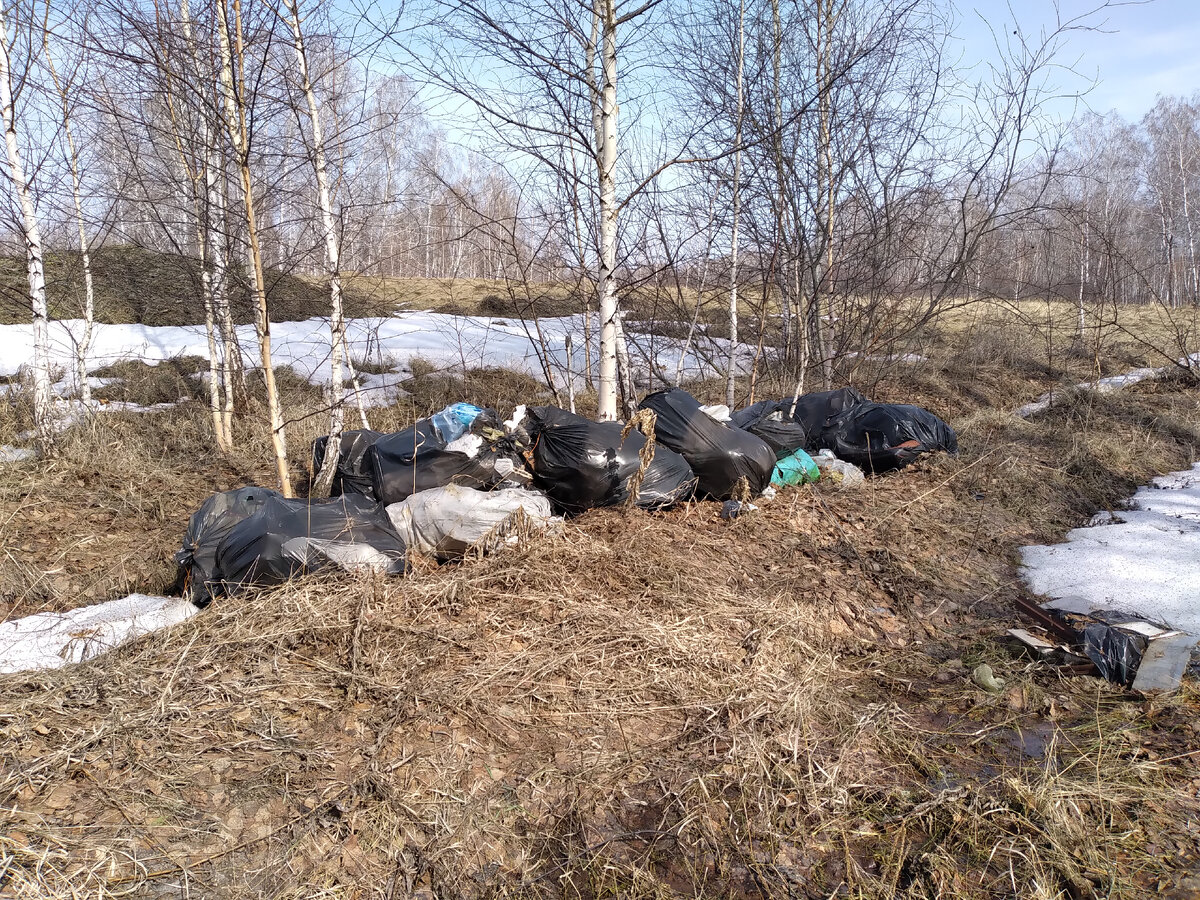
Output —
<point x="798" y="468"/>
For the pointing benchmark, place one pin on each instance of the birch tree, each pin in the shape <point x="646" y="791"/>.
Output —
<point x="233" y="86"/>
<point x="43" y="408"/>
<point x="731" y="360"/>
<point x="561" y="65"/>
<point x="337" y="322"/>
<point x="89" y="299"/>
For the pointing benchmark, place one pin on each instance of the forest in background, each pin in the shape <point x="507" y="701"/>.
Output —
<point x="823" y="179"/>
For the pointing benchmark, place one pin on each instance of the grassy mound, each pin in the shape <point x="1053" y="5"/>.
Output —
<point x="142" y="286"/>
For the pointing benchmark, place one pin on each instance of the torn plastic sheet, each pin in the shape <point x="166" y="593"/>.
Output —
<point x="1116" y="653"/>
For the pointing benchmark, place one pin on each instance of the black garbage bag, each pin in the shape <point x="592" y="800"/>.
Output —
<point x="769" y="420"/>
<point x="719" y="455"/>
<point x="197" y="559"/>
<point x="285" y="537"/>
<point x="410" y="461"/>
<point x="880" y="437"/>
<point x="353" y="475"/>
<point x="818" y="413"/>
<point x="1117" y="654"/>
<point x="580" y="464"/>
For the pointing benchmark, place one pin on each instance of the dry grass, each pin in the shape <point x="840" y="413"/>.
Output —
<point x="645" y="706"/>
<point x="589" y="715"/>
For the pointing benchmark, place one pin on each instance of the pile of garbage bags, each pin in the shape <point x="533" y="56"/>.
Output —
<point x="876" y="437"/>
<point x="464" y="480"/>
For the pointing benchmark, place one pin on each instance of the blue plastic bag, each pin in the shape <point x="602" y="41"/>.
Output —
<point x="455" y="420"/>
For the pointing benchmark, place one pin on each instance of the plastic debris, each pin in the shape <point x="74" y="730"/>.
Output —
<point x="284" y="537"/>
<point x="731" y="509"/>
<point x="455" y="420"/>
<point x="448" y="521"/>
<point x="795" y="469"/>
<point x="838" y="471"/>
<point x="581" y="464"/>
<point x="881" y="437"/>
<point x="353" y="475"/>
<point x="52" y="640"/>
<point x="986" y="679"/>
<point x="418" y="458"/>
<point x="1116" y="653"/>
<point x="208" y="526"/>
<point x="726" y="460"/>
<point x="818" y="413"/>
<point x="769" y="420"/>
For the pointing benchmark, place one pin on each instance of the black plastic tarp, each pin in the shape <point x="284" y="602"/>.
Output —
<point x="353" y="474"/>
<point x="581" y="464"/>
<point x="719" y="455"/>
<point x="880" y="437"/>
<point x="284" y="537"/>
<point x="769" y="420"/>
<point x="206" y="529"/>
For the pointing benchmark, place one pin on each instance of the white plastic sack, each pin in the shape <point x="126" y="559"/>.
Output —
<point x="842" y="473"/>
<point x="53" y="640"/>
<point x="448" y="521"/>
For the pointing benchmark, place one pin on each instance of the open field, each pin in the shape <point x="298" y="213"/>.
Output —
<point x="650" y="705"/>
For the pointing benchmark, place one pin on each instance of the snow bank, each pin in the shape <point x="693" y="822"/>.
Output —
<point x="446" y="341"/>
<point x="52" y="640"/>
<point x="1144" y="561"/>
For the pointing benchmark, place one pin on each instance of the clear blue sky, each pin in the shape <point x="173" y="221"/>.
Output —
<point x="1141" y="50"/>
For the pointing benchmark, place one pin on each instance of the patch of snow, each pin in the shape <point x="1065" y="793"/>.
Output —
<point x="1146" y="561"/>
<point x="53" y="640"/>
<point x="446" y="341"/>
<point x="1108" y="384"/>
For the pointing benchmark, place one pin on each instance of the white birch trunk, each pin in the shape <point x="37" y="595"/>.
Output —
<point x="89" y="302"/>
<point x="235" y="111"/>
<point x="218" y="254"/>
<point x="1187" y="220"/>
<point x="731" y="361"/>
<point x="337" y="322"/>
<point x="1083" y="267"/>
<point x="606" y="158"/>
<point x="702" y="283"/>
<point x="203" y="213"/>
<point x="43" y="407"/>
